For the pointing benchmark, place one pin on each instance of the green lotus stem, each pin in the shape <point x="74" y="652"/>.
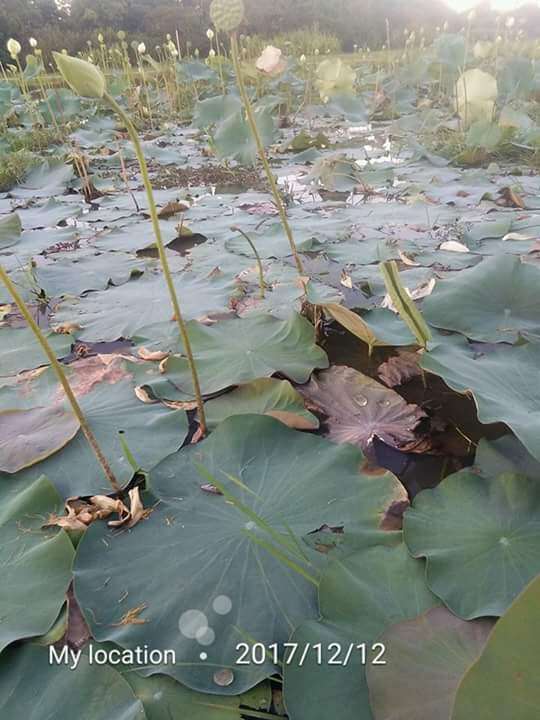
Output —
<point x="257" y="257"/>
<point x="262" y="153"/>
<point x="405" y="306"/>
<point x="134" y="137"/>
<point x="60" y="374"/>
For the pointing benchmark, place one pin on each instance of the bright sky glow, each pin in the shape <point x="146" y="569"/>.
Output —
<point x="497" y="5"/>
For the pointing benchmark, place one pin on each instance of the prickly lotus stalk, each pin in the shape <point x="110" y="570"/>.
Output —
<point x="227" y="14"/>
<point x="82" y="78"/>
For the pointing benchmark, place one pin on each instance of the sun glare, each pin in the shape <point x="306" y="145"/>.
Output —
<point x="497" y="5"/>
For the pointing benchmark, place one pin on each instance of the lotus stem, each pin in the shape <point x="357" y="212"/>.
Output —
<point x="134" y="137"/>
<point x="60" y="374"/>
<point x="257" y="257"/>
<point x="262" y="153"/>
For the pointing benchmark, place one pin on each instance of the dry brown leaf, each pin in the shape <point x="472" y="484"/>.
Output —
<point x="211" y="489"/>
<point x="406" y="260"/>
<point x="132" y="617"/>
<point x="400" y="368"/>
<point x="146" y="354"/>
<point x="359" y="408"/>
<point x="142" y="394"/>
<point x="172" y="208"/>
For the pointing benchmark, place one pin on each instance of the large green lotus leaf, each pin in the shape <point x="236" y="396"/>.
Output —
<point x="163" y="699"/>
<point x="481" y="539"/>
<point x="29" y="436"/>
<point x="359" y="597"/>
<point x="214" y="109"/>
<point x="272" y="242"/>
<point x="240" y="350"/>
<point x="503" y="381"/>
<point x="506" y="454"/>
<point x="495" y="301"/>
<point x="49" y="178"/>
<point x="234" y="139"/>
<point x="19" y="349"/>
<point x="151" y="431"/>
<point x="503" y="683"/>
<point x="266" y="396"/>
<point x="33" y="688"/>
<point x="48" y="215"/>
<point x="197" y="556"/>
<point x="425" y="661"/>
<point x="85" y="270"/>
<point x="36" y="564"/>
<point x="10" y="230"/>
<point x="126" y="310"/>
<point x="362" y="252"/>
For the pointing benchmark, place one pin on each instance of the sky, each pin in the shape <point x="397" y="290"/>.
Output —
<point x="499" y="5"/>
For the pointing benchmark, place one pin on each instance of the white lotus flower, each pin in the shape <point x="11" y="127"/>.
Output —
<point x="270" y="61"/>
<point x="13" y="47"/>
<point x="211" y="53"/>
<point x="100" y="38"/>
<point x="141" y="48"/>
<point x="32" y="42"/>
<point x="302" y="59"/>
<point x="210" y="34"/>
<point x="511" y="21"/>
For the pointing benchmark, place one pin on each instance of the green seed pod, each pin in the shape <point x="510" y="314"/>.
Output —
<point x="85" y="79"/>
<point x="227" y="14"/>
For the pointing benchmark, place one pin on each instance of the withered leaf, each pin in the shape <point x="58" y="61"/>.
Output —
<point x="359" y="408"/>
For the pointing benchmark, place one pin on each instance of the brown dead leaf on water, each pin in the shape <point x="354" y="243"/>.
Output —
<point x="90" y="371"/>
<point x="152" y="355"/>
<point x="360" y="409"/>
<point x="81" y="513"/>
<point x="136" y="512"/>
<point x="172" y="208"/>
<point x="400" y="368"/>
<point x="510" y="198"/>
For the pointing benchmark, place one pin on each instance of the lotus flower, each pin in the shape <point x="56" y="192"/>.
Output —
<point x="33" y="42"/>
<point x="13" y="47"/>
<point x="270" y="61"/>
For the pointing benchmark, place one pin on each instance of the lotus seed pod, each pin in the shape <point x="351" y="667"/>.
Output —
<point x="227" y="14"/>
<point x="83" y="78"/>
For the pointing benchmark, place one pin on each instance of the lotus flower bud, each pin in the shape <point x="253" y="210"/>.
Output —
<point x="141" y="48"/>
<point x="210" y="34"/>
<point x="211" y="53"/>
<point x="13" y="47"/>
<point x="227" y="14"/>
<point x="100" y="38"/>
<point x="32" y="42"/>
<point x="83" y="78"/>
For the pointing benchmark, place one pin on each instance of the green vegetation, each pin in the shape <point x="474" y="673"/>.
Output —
<point x="269" y="350"/>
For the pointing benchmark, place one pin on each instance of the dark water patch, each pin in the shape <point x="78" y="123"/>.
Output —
<point x="90" y="349"/>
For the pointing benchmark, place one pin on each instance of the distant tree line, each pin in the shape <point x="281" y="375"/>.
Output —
<point x="70" y="24"/>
